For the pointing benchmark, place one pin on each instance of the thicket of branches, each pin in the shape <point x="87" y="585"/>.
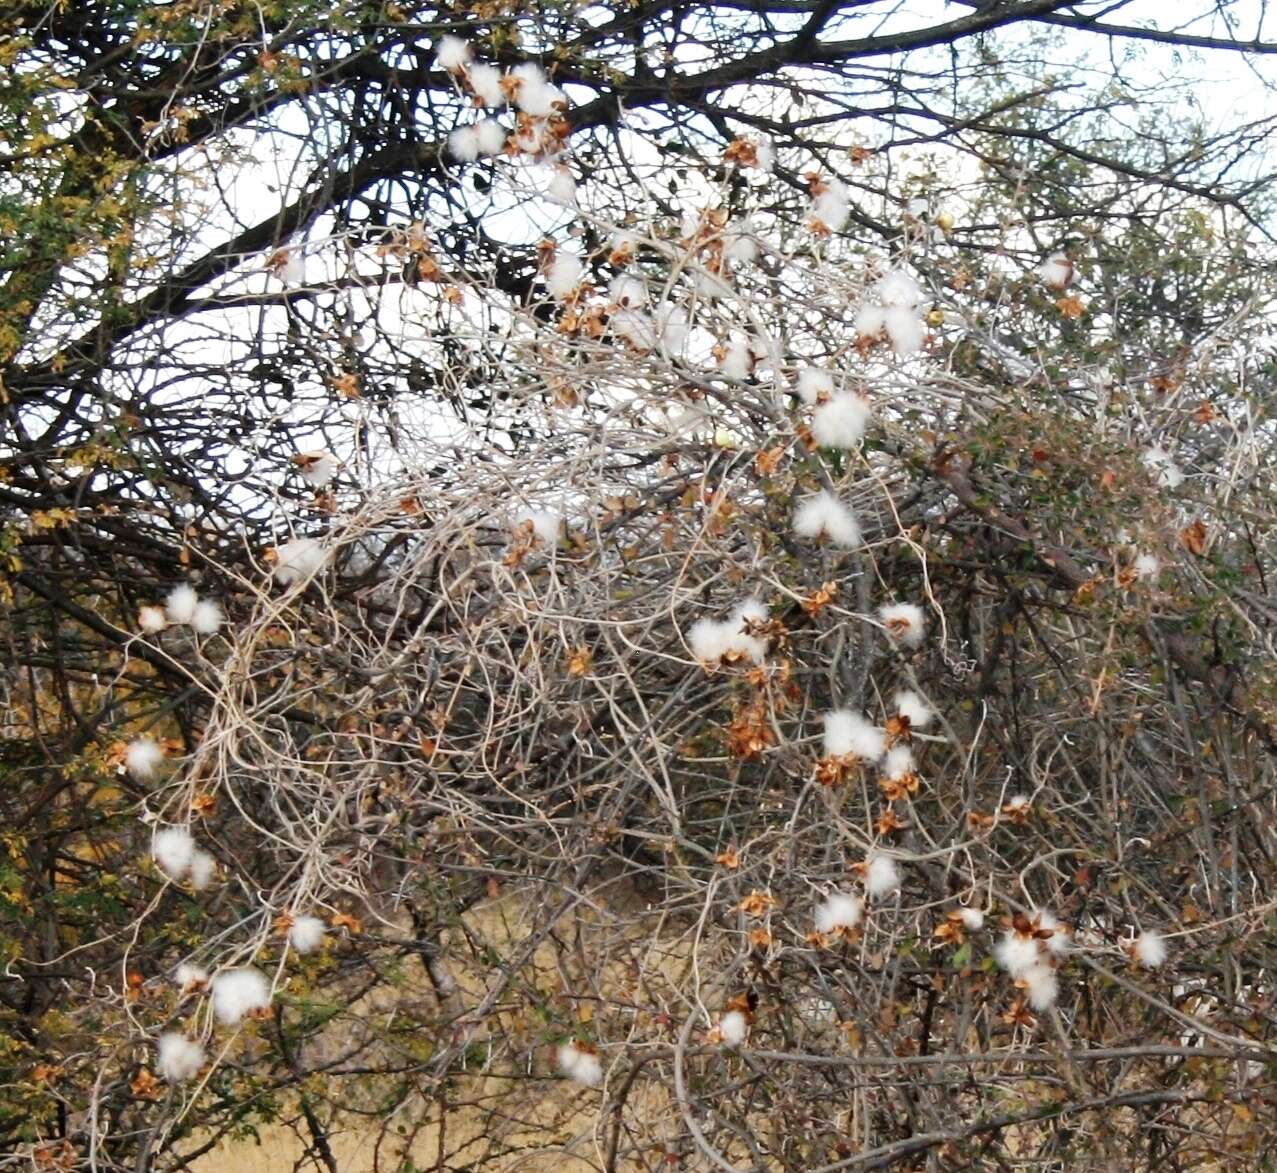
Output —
<point x="723" y="624"/>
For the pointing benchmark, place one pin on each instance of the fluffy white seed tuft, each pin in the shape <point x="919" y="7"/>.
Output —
<point x="562" y="187"/>
<point x="142" y="758"/>
<point x="563" y="275"/>
<point x="905" y="329"/>
<point x="207" y="618"/>
<point x="904" y="623"/>
<point x="181" y="603"/>
<point x="151" y="619"/>
<point x="1147" y="566"/>
<point x="898" y="288"/>
<point x="870" y="321"/>
<point x="238" y="993"/>
<point x="544" y="525"/>
<point x="847" y="732"/>
<point x="173" y="849"/>
<point x="298" y="560"/>
<point x="1056" y="272"/>
<point x="580" y="1065"/>
<point x="491" y="136"/>
<point x="306" y="933"/>
<point x="839" y="911"/>
<point x="485" y="81"/>
<point x="840" y="421"/>
<point x="1016" y="954"/>
<point x="190" y="977"/>
<point x="1149" y="949"/>
<point x="813" y="384"/>
<point x="178" y="1058"/>
<point x="824" y="516"/>
<point x="1041" y="986"/>
<point x="909" y="704"/>
<point x="452" y="53"/>
<point x="202" y="871"/>
<point x="317" y="469"/>
<point x="881" y="876"/>
<point x="733" y="1028"/>
<point x="898" y="763"/>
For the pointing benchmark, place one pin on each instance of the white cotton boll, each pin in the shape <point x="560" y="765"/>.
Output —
<point x="485" y="81"/>
<point x="972" y="918"/>
<point x="898" y="288"/>
<point x="709" y="640"/>
<point x="839" y="911"/>
<point x="190" y="977"/>
<point x="831" y="208"/>
<point x="589" y="1071"/>
<point x="142" y="758"/>
<point x="898" y="763"/>
<point x="751" y="647"/>
<point x="881" y="876"/>
<point x="239" y="992"/>
<point x="563" y="275"/>
<point x="733" y="1028"/>
<point x="824" y="516"/>
<point x="689" y="224"/>
<point x="580" y="1065"/>
<point x="293" y="270"/>
<point x="1147" y="566"/>
<point x="813" y="384"/>
<point x="297" y="560"/>
<point x="151" y="619"/>
<point x="909" y="704"/>
<point x="463" y="143"/>
<point x="870" y="321"/>
<point x="173" y="849"/>
<point x="1059" y="942"/>
<point x="1149" y="949"/>
<point x="1016" y="954"/>
<point x="634" y="327"/>
<point x="180" y="604"/>
<point x="904" y="623"/>
<point x="317" y="469"/>
<point x="674" y="326"/>
<point x="628" y="292"/>
<point x="1056" y="271"/>
<point x="203" y="870"/>
<point x="624" y="246"/>
<point x="1041" y="986"/>
<point x="738" y="360"/>
<point x="207" y="618"/>
<point x="490" y="136"/>
<point x="905" y="328"/>
<point x="739" y="243"/>
<point x="850" y="733"/>
<point x="545" y="523"/>
<point x="535" y="95"/>
<point x="452" y="53"/>
<point x="178" y="1058"/>
<point x="562" y="188"/>
<point x="306" y="933"/>
<point x="840" y="421"/>
<point x="751" y="611"/>
<point x="766" y="156"/>
<point x="528" y="138"/>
